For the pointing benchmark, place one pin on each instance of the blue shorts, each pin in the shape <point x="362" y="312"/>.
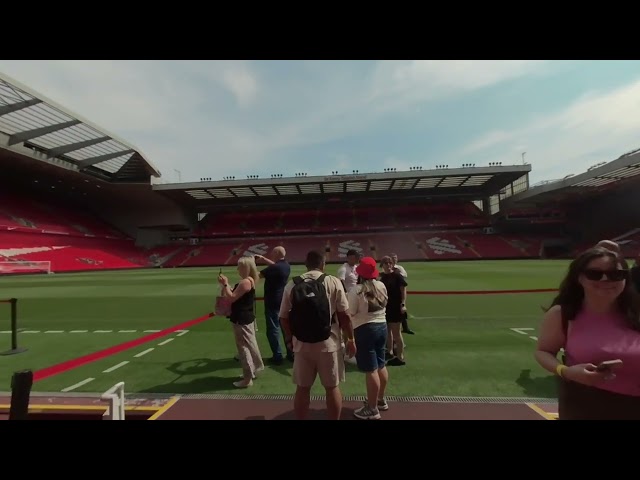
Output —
<point x="371" y="341"/>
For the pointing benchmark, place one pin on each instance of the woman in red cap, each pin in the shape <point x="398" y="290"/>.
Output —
<point x="367" y="305"/>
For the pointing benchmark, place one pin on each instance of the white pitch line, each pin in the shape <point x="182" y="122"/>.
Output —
<point x="144" y="352"/>
<point x="167" y="341"/>
<point x="8" y="332"/>
<point x="115" y="367"/>
<point x="521" y="331"/>
<point x="533" y="338"/>
<point x="78" y="385"/>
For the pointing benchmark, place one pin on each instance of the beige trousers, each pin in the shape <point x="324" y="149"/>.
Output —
<point x="248" y="350"/>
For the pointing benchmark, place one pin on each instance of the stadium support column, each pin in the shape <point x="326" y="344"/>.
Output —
<point x="486" y="205"/>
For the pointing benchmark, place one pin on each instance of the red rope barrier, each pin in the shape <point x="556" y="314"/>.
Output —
<point x="107" y="352"/>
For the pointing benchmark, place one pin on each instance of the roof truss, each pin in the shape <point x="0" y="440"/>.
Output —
<point x="336" y="188"/>
<point x="39" y="123"/>
<point x="620" y="171"/>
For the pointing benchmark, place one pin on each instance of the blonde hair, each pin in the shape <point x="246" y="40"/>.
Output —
<point x="248" y="265"/>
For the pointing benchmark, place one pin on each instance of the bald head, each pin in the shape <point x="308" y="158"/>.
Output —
<point x="609" y="245"/>
<point x="278" y="253"/>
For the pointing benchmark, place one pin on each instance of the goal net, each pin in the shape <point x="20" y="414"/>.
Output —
<point x="24" y="266"/>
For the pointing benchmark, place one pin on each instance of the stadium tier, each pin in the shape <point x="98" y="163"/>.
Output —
<point x="328" y="220"/>
<point x="428" y="245"/>
<point x="74" y="240"/>
<point x="69" y="237"/>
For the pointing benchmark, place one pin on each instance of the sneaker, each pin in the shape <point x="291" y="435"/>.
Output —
<point x="396" y="362"/>
<point x="367" y="413"/>
<point x="383" y="406"/>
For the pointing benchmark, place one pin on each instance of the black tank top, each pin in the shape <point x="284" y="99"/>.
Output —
<point x="243" y="309"/>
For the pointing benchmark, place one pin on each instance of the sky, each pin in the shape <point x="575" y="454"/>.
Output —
<point x="197" y="119"/>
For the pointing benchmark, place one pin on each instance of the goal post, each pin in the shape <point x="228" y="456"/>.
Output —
<point x="15" y="267"/>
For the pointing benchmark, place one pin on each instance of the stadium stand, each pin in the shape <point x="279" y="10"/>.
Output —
<point x="75" y="195"/>
<point x="601" y="203"/>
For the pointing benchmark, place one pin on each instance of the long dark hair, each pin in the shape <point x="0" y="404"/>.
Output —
<point x="571" y="294"/>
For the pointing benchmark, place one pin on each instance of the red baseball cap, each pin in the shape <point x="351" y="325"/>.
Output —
<point x="368" y="268"/>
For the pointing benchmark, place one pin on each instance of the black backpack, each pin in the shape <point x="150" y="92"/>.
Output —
<point x="310" y="316"/>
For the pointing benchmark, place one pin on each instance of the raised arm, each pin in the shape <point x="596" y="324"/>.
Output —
<point x="243" y="287"/>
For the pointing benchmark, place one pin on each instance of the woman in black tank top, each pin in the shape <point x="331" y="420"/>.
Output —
<point x="243" y="317"/>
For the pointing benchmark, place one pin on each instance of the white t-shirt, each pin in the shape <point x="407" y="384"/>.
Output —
<point x="348" y="275"/>
<point x="401" y="270"/>
<point x="359" y="306"/>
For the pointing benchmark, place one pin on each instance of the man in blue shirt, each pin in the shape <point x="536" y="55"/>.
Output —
<point x="276" y="276"/>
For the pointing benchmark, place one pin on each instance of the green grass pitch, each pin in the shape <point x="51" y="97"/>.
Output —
<point x="464" y="344"/>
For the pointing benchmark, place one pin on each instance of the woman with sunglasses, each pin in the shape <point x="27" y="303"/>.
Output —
<point x="595" y="318"/>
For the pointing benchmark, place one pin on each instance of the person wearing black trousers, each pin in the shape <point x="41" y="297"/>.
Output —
<point x="403" y="272"/>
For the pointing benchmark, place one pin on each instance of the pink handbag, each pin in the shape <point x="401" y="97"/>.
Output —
<point x="223" y="306"/>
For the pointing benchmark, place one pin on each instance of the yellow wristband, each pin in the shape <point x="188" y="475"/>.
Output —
<point x="560" y="368"/>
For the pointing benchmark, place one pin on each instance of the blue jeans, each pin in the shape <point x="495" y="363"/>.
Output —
<point x="272" y="316"/>
<point x="371" y="340"/>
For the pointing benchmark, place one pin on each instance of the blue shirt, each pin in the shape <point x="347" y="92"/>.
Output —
<point x="276" y="277"/>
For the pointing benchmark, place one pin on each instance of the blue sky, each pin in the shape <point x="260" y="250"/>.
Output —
<point x="220" y="118"/>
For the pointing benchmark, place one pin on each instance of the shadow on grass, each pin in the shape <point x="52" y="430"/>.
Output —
<point x="541" y="387"/>
<point x="204" y="383"/>
<point x="206" y="380"/>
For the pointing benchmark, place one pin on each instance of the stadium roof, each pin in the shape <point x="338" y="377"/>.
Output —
<point x="476" y="182"/>
<point x="598" y="179"/>
<point x="31" y="120"/>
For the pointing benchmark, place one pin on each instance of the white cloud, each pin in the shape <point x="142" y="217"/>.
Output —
<point x="178" y="113"/>
<point x="397" y="84"/>
<point x="242" y="84"/>
<point x="600" y="126"/>
<point x="157" y="107"/>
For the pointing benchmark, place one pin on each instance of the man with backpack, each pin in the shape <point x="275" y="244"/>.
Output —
<point x="314" y="316"/>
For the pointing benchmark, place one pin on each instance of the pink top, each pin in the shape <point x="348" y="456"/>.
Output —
<point x="594" y="338"/>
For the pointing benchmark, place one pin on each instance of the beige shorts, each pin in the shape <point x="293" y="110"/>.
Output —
<point x="328" y="366"/>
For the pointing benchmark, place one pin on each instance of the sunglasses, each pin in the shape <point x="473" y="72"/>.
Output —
<point x="612" y="275"/>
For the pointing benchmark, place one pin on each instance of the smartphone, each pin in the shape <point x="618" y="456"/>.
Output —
<point x="608" y="365"/>
<point x="220" y="272"/>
